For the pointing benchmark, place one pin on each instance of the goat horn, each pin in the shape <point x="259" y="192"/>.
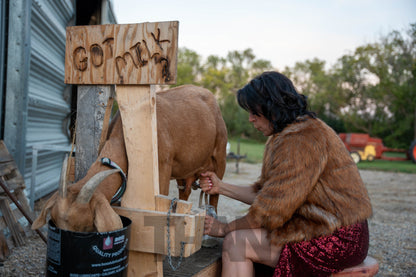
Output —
<point x="62" y="180"/>
<point x="88" y="189"/>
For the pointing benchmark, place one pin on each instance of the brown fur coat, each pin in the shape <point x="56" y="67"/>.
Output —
<point x="309" y="185"/>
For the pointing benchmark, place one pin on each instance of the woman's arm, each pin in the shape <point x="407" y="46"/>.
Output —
<point x="216" y="228"/>
<point x="211" y="184"/>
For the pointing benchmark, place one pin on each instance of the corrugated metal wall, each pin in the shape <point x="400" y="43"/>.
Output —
<point x="37" y="101"/>
<point x="3" y="40"/>
<point x="48" y="96"/>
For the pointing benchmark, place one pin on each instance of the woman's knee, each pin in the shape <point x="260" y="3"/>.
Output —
<point x="230" y="240"/>
<point x="241" y="239"/>
<point x="251" y="244"/>
<point x="233" y="246"/>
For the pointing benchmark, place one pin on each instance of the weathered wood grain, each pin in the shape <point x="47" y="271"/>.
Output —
<point x="144" y="53"/>
<point x="9" y="170"/>
<point x="92" y="104"/>
<point x="137" y="106"/>
<point x="149" y="231"/>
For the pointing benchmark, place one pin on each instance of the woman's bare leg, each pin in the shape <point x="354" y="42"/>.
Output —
<point x="243" y="247"/>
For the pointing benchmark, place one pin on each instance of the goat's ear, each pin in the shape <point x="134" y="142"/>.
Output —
<point x="106" y="219"/>
<point x="41" y="220"/>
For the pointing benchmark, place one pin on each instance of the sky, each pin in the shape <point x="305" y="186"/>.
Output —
<point x="282" y="32"/>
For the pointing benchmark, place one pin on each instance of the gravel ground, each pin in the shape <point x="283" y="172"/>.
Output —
<point x="392" y="227"/>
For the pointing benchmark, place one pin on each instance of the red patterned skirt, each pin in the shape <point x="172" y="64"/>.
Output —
<point x="323" y="256"/>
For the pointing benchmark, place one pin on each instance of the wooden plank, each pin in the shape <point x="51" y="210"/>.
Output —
<point x="91" y="106"/>
<point x="137" y="106"/>
<point x="9" y="171"/>
<point x="144" y="53"/>
<point x="16" y="214"/>
<point x="163" y="204"/>
<point x="16" y="230"/>
<point x="197" y="230"/>
<point x="4" y="153"/>
<point x="149" y="229"/>
<point x="147" y="265"/>
<point x="10" y="175"/>
<point x="213" y="270"/>
<point x="4" y="248"/>
<point x="204" y="263"/>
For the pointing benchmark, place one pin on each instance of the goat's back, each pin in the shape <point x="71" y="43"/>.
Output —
<point x="192" y="135"/>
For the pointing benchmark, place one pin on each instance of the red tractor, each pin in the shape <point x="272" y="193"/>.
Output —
<point x="365" y="148"/>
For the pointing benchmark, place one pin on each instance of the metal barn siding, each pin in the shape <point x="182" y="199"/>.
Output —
<point x="3" y="40"/>
<point x="49" y="97"/>
<point x="38" y="101"/>
<point x="17" y="72"/>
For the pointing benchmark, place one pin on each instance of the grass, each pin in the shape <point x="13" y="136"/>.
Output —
<point x="254" y="151"/>
<point x="392" y="166"/>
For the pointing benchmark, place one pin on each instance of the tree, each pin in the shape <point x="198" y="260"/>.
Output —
<point x="189" y="67"/>
<point x="243" y="67"/>
<point x="378" y="85"/>
<point x="224" y="76"/>
<point x="320" y="86"/>
<point x="371" y="90"/>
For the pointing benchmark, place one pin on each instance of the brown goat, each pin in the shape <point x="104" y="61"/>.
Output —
<point x="192" y="138"/>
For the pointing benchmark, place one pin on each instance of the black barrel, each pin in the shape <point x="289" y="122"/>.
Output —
<point x="80" y="254"/>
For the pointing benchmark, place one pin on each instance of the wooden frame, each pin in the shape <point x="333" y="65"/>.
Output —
<point x="133" y="57"/>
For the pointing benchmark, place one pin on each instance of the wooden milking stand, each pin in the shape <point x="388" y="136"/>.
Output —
<point x="133" y="57"/>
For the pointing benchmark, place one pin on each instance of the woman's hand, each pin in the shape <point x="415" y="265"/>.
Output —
<point x="213" y="227"/>
<point x="210" y="183"/>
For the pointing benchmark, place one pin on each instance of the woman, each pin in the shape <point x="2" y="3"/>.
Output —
<point x="309" y="206"/>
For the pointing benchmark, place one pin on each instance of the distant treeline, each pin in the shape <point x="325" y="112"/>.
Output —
<point x="370" y="90"/>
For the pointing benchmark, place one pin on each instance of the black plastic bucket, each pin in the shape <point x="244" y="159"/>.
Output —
<point x="78" y="254"/>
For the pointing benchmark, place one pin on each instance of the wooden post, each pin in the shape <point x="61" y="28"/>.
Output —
<point x="137" y="105"/>
<point x="91" y="107"/>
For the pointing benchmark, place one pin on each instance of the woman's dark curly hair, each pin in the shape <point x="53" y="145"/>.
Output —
<point x="274" y="96"/>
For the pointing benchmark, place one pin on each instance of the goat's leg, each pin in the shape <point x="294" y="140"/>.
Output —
<point x="184" y="191"/>
<point x="164" y="178"/>
<point x="187" y="185"/>
<point x="213" y="200"/>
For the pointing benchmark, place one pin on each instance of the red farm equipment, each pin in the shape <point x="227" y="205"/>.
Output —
<point x="365" y="148"/>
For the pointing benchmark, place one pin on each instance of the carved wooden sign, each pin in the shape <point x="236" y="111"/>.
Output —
<point x="144" y="53"/>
